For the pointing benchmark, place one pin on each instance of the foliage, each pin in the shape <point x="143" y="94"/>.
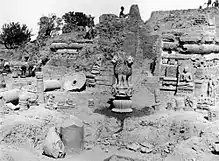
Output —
<point x="47" y="24"/>
<point x="75" y="19"/>
<point x="14" y="35"/>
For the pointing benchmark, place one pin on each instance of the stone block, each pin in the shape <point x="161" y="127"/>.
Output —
<point x="213" y="113"/>
<point x="200" y="73"/>
<point x="163" y="70"/>
<point x="208" y="39"/>
<point x="171" y="71"/>
<point x="170" y="45"/>
<point x="168" y="37"/>
<point x="191" y="38"/>
<point x="72" y="131"/>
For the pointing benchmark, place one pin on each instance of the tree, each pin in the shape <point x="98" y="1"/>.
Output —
<point x="14" y="35"/>
<point x="47" y="24"/>
<point x="76" y="19"/>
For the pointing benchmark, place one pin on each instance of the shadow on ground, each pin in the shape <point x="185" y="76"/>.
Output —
<point x="104" y="110"/>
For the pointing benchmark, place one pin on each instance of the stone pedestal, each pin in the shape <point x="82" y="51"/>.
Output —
<point x="122" y="89"/>
<point x="122" y="105"/>
<point x="40" y="87"/>
<point x="122" y="102"/>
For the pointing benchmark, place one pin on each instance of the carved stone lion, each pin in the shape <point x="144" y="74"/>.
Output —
<point x="122" y="69"/>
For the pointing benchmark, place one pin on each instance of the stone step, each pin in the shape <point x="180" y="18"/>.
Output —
<point x="91" y="84"/>
<point x="95" y="72"/>
<point x="90" y="81"/>
<point x="90" y="76"/>
<point x="103" y="84"/>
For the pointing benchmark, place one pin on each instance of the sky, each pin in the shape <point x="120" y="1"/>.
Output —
<point x="29" y="11"/>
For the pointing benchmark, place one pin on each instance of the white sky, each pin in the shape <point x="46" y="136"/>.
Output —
<point x="29" y="11"/>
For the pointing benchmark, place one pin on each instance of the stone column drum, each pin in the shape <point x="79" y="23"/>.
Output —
<point x="40" y="87"/>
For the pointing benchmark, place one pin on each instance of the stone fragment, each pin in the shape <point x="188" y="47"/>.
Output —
<point x="50" y="85"/>
<point x="170" y="46"/>
<point x="147" y="145"/>
<point x="208" y="39"/>
<point x="89" y="147"/>
<point x="146" y="150"/>
<point x="190" y="38"/>
<point x="133" y="146"/>
<point x="53" y="146"/>
<point x="90" y="103"/>
<point x="23" y="101"/>
<point x="216" y="147"/>
<point x="40" y="87"/>
<point x="11" y="95"/>
<point x="213" y="113"/>
<point x="72" y="131"/>
<point x="12" y="106"/>
<point x="75" y="82"/>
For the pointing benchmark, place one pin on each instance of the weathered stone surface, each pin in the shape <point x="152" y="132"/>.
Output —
<point x="168" y="37"/>
<point x="56" y="46"/>
<point x="201" y="49"/>
<point x="72" y="131"/>
<point x="135" y="13"/>
<point x="12" y="106"/>
<point x="170" y="45"/>
<point x="133" y="146"/>
<point x="171" y="71"/>
<point x="191" y="39"/>
<point x="67" y="51"/>
<point x="208" y="39"/>
<point x="213" y="114"/>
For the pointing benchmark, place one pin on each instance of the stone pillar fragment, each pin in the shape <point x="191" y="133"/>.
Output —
<point x="72" y="132"/>
<point x="40" y="87"/>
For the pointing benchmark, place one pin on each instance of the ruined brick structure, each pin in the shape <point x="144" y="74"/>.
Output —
<point x="189" y="40"/>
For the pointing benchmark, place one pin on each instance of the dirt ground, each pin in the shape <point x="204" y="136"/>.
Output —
<point x="145" y="135"/>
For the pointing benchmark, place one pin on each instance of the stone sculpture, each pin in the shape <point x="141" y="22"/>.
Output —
<point x="186" y="78"/>
<point x="122" y="89"/>
<point x="50" y="101"/>
<point x="123" y="70"/>
<point x="185" y="83"/>
<point x="210" y="89"/>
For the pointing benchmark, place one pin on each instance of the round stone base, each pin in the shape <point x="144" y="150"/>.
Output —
<point x="118" y="110"/>
<point x="122" y="106"/>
